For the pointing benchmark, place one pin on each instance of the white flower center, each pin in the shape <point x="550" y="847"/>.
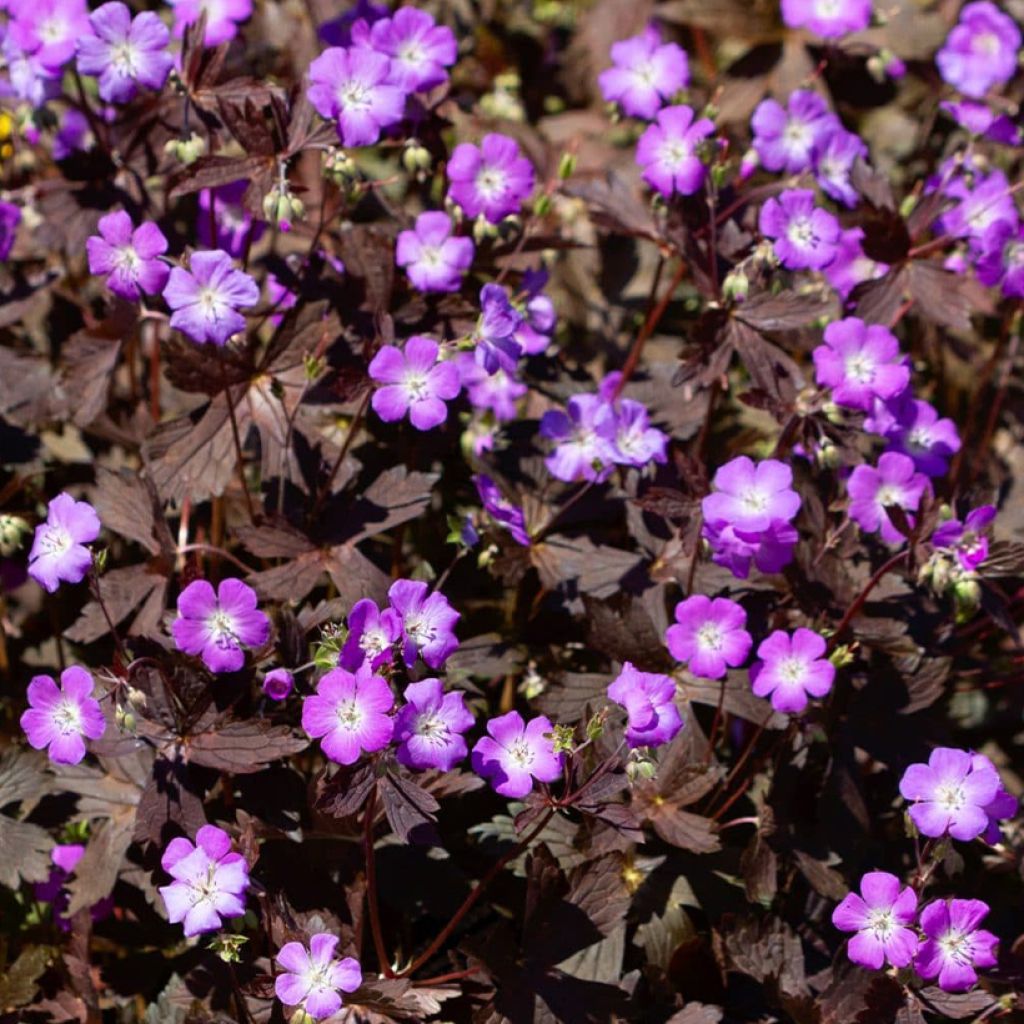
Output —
<point x="433" y="728"/>
<point x="674" y="152"/>
<point x="796" y="135"/>
<point x="222" y="626"/>
<point x="521" y="753"/>
<point x="55" y="540"/>
<point x="419" y="630"/>
<point x="985" y="44"/>
<point x="951" y="797"/>
<point x="956" y="945"/>
<point x="205" y="889"/>
<point x="792" y="669"/>
<point x="490" y="182"/>
<point x="754" y="501"/>
<point x="801" y="232"/>
<point x="354" y="96"/>
<point x="53" y="30"/>
<point x="890" y="494"/>
<point x="860" y="368"/>
<point x="67" y="717"/>
<point x="1015" y="254"/>
<point x="123" y="58"/>
<point x="416" y="387"/>
<point x="410" y="53"/>
<point x="349" y="715"/>
<point x="373" y="642"/>
<point x="709" y="637"/>
<point x="882" y="922"/>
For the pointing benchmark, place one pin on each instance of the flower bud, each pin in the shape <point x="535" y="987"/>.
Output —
<point x="967" y="597"/>
<point x="736" y="285"/>
<point x="483" y="230"/>
<point x="283" y="213"/>
<point x="12" y="531"/>
<point x="567" y="166"/>
<point x="278" y="683"/>
<point x="186" y="151"/>
<point x="750" y="163"/>
<point x="416" y="158"/>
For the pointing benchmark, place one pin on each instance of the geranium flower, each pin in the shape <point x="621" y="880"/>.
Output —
<point x="429" y="727"/>
<point x="218" y="624"/>
<point x="644" y="73"/>
<point x="883" y="917"/>
<point x="492" y="179"/>
<point x="709" y="635"/>
<point x="58" y="549"/>
<point x="649" y="700"/>
<point x="313" y="979"/>
<point x="792" y="669"/>
<point x="207" y="297"/>
<point x="349" y="713"/>
<point x="950" y="794"/>
<point x="414" y="382"/>
<point x="515" y="753"/>
<point x="60" y="720"/>
<point x="954" y="946"/>
<point x="129" y="256"/>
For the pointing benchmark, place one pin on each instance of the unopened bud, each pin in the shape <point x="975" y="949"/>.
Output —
<point x="483" y="230"/>
<point x="416" y="158"/>
<point x="736" y="285"/>
<point x="841" y="656"/>
<point x="567" y="166"/>
<point x="967" y="597"/>
<point x="12" y="531"/>
<point x="750" y="163"/>
<point x="186" y="151"/>
<point x="564" y="739"/>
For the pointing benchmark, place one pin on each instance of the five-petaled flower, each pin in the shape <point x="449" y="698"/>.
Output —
<point x="649" y="699"/>
<point x="895" y="483"/>
<point x="792" y="669"/>
<point x="860" y="362"/>
<point x="62" y="719"/>
<point x="492" y="179"/>
<point x="950" y="794"/>
<point x="217" y="624"/>
<point x="515" y="753"/>
<point x="429" y="727"/>
<point x="129" y="256"/>
<point x="58" y="549"/>
<point x="207" y="297"/>
<point x="428" y="622"/>
<point x="805" y="236"/>
<point x="709" y="635"/>
<point x="644" y="73"/>
<point x="883" y="917"/>
<point x="372" y="634"/>
<point x="313" y="978"/>
<point x="414" y="381"/>
<point x="349" y="713"/>
<point x="667" y="152"/>
<point x="433" y="257"/>
<point x="954" y="946"/>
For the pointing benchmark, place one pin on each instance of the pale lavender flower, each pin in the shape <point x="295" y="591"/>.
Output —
<point x="636" y="442"/>
<point x="968" y="539"/>
<point x="495" y="333"/>
<point x="501" y="510"/>
<point x="209" y="884"/>
<point x="644" y="73"/>
<point x="918" y="431"/>
<point x="278" y="683"/>
<point x="10" y="218"/>
<point x="515" y="753"/>
<point x="984" y="201"/>
<point x="128" y="256"/>
<point x="372" y="634"/>
<point x="207" y="297"/>
<point x="538" y="315"/>
<point x="58" y="548"/>
<point x="429" y="727"/>
<point x="222" y="18"/>
<point x="498" y="392"/>
<point x="954" y="946"/>
<point x="124" y="53"/>
<point x="29" y="79"/>
<point x="649" y="699"/>
<point x="860" y="362"/>
<point x="49" y="30"/>
<point x="806" y="236"/>
<point x="981" y="120"/>
<point x="1002" y="806"/>
<point x="792" y="669"/>
<point x="833" y="159"/>
<point x="851" y="266"/>
<point x="428" y="622"/>
<point x="349" y="713"/>
<point x="895" y="482"/>
<point x="492" y="179"/>
<point x="60" y="720"/>
<point x="434" y="258"/>
<point x="233" y="226"/>
<point x="217" y="625"/>
<point x="785" y="137"/>
<point x="1002" y="258"/>
<point x="981" y="50"/>
<point x="667" y="152"/>
<point x="709" y="635"/>
<point x="950" y="793"/>
<point x="414" y="382"/>
<point x="313" y="979"/>
<point x="419" y="48"/>
<point x="584" y="437"/>
<point x="830" y="19"/>
<point x="883" y="916"/>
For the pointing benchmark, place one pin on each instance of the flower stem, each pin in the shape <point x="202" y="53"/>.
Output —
<point x="371" y="886"/>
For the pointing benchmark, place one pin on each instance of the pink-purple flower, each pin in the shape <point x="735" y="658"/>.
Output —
<point x="667" y="152"/>
<point x="420" y="50"/>
<point x="492" y="179"/>
<point x="918" y="431"/>
<point x="58" y="551"/>
<point x="968" y="539"/>
<point x="313" y="979"/>
<point x="851" y="265"/>
<point x="434" y="259"/>
<point x="497" y="392"/>
<point x="278" y="683"/>
<point x="496" y="330"/>
<point x="217" y="625"/>
<point x="428" y="622"/>
<point x="414" y="382"/>
<point x="981" y="50"/>
<point x="349" y="713"/>
<point x="1001" y="260"/>
<point x="785" y="137"/>
<point x="709" y="635"/>
<point x="48" y="30"/>
<point x="827" y="18"/>
<point x="233" y="227"/>
<point x="1002" y="806"/>
<point x="894" y="482"/>
<point x="501" y="510"/>
<point x="860" y="362"/>
<point x="645" y="72"/>
<point x="805" y="236"/>
<point x="10" y="218"/>
<point x="372" y="634"/>
<point x="515" y="753"/>
<point x="65" y="858"/>
<point x="207" y="297"/>
<point x="954" y="946"/>
<point x="130" y="257"/>
<point x="222" y="18"/>
<point x="792" y="669"/>
<point x="882" y="916"/>
<point x="834" y="156"/>
<point x="60" y="720"/>
<point x="429" y="726"/>
<point x="650" y="702"/>
<point x="950" y="793"/>
<point x="210" y="881"/>
<point x="584" y="437"/>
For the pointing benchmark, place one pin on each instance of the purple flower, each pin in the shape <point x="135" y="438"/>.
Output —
<point x="828" y="18"/>
<point x="918" y="431"/>
<point x="649" y="700"/>
<point x="751" y="497"/>
<point x="785" y="139"/>
<point x="954" y="945"/>
<point x="233" y="226"/>
<point x="492" y="180"/>
<point x="667" y="152"/>
<point x="428" y="622"/>
<point x="278" y="683"/>
<point x="217" y="624"/>
<point x="222" y="18"/>
<point x="883" y="917"/>
<point x="58" y="549"/>
<point x="1002" y="258"/>
<point x="791" y="669"/>
<point x="636" y="442"/>
<point x="58" y="719"/>
<point x="372" y="633"/>
<point x="313" y="979"/>
<point x="29" y="79"/>
<point x="349" y="713"/>
<point x="49" y="30"/>
<point x="10" y="218"/>
<point x="709" y="635"/>
<point x="414" y="382"/>
<point x="65" y="858"/>
<point x="834" y="158"/>
<point x="584" y="437"/>
<point x="360" y="15"/>
<point x="353" y="86"/>
<point x="515" y="753"/>
<point x="419" y="48"/>
<point x="770" y="550"/>
<point x="501" y="510"/>
<point x="209" y="881"/>
<point x="73" y="135"/>
<point x="983" y="203"/>
<point x="894" y="482"/>
<point x="281" y="298"/>
<point x="979" y="119"/>
<point x="1002" y="806"/>
<point x="495" y="334"/>
<point x="429" y="727"/>
<point x="644" y="73"/>
<point x="124" y="53"/>
<point x="967" y="539"/>
<point x="860" y="363"/>
<point x="206" y="298"/>
<point x="851" y="266"/>
<point x="434" y="259"/>
<point x="951" y="793"/>
<point x="538" y="315"/>
<point x="806" y="236"/>
<point x="980" y="51"/>
<point x="496" y="391"/>
<point x="130" y="257"/>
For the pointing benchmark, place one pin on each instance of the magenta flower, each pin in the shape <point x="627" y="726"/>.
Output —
<point x="429" y="727"/>
<point x="372" y="634"/>
<point x="515" y="753"/>
<point x="785" y="138"/>
<point x="984" y="201"/>
<point x="644" y="73"/>
<point x="709" y="635"/>
<point x="806" y="237"/>
<point x="492" y="180"/>
<point x="233" y="225"/>
<point x="209" y="881"/>
<point x="495" y="334"/>
<point x="222" y="18"/>
<point x="497" y="392"/>
<point x="501" y="510"/>
<point x="124" y="53"/>
<point x="65" y="858"/>
<point x="1001" y="261"/>
<point x="349" y="713"/>
<point x="428" y="622"/>
<point x="354" y="87"/>
<point x="58" y="719"/>
<point x="10" y="218"/>
<point x="883" y="916"/>
<point x="851" y="266"/>
<point x="420" y="50"/>
<point x="967" y="539"/>
<point x="278" y="683"/>
<point x="834" y="156"/>
<point x="827" y="18"/>
<point x="584" y="437"/>
<point x="918" y="431"/>
<point x="751" y="497"/>
<point x="860" y="363"/>
<point x="667" y="152"/>
<point x="129" y="257"/>
<point x="207" y="297"/>
<point x="636" y="442"/>
<point x="951" y="793"/>
<point x="313" y="979"/>
<point x="770" y="550"/>
<point x="1002" y="806"/>
<point x="954" y="946"/>
<point x="981" y="50"/>
<point x="435" y="260"/>
<point x="414" y="383"/>
<point x="649" y="700"/>
<point x="791" y="669"/>
<point x="538" y="315"/>
<point x="58" y="549"/>
<point x="49" y="30"/>
<point x="981" y="120"/>
<point x="217" y="625"/>
<point x="894" y="482"/>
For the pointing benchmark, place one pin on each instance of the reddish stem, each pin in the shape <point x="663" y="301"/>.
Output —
<point x="371" y="887"/>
